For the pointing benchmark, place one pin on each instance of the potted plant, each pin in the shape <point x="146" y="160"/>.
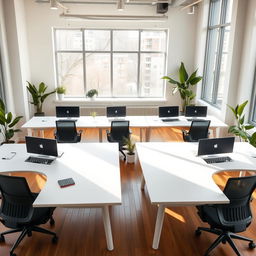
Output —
<point x="240" y="128"/>
<point x="7" y="122"/>
<point x="184" y="85"/>
<point x="130" y="147"/>
<point x="92" y="93"/>
<point x="93" y="114"/>
<point x="60" y="90"/>
<point x="38" y="95"/>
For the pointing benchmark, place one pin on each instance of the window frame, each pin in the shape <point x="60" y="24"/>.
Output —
<point x="112" y="52"/>
<point x="222" y="25"/>
<point x="253" y="101"/>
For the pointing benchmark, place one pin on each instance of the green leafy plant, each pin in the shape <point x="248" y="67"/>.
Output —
<point x="240" y="129"/>
<point x="93" y="113"/>
<point x="7" y="122"/>
<point x="130" y="145"/>
<point x="92" y="93"/>
<point x="38" y="95"/>
<point x="183" y="86"/>
<point x="61" y="90"/>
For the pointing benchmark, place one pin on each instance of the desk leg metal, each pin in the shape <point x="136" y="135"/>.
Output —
<point x="158" y="227"/>
<point x="142" y="185"/>
<point x="100" y="134"/>
<point x="107" y="227"/>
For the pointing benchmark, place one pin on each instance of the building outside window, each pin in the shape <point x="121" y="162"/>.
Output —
<point x="118" y="63"/>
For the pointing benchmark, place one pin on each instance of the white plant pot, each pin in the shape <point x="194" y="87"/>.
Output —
<point x="130" y="158"/>
<point x="60" y="96"/>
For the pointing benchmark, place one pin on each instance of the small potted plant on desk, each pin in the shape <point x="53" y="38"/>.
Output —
<point x="38" y="95"/>
<point x="7" y="122"/>
<point x="130" y="147"/>
<point x="61" y="90"/>
<point x="92" y="94"/>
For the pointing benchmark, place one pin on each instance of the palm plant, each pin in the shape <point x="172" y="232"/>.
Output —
<point x="130" y="145"/>
<point x="183" y="86"/>
<point x="7" y="122"/>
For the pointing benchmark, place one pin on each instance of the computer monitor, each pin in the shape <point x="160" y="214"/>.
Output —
<point x="67" y="111"/>
<point x="119" y="111"/>
<point x="215" y="146"/>
<point x="196" y="111"/>
<point x="41" y="146"/>
<point x="169" y="111"/>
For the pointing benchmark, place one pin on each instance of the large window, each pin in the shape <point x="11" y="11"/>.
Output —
<point x="253" y="102"/>
<point x="215" y="64"/>
<point x="118" y="63"/>
<point x="2" y="95"/>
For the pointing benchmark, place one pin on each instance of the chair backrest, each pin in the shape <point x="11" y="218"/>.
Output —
<point x="66" y="130"/>
<point x="199" y="129"/>
<point x="17" y="200"/>
<point x="119" y="130"/>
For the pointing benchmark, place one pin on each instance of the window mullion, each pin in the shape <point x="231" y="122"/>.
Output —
<point x="111" y="63"/>
<point x="139" y="63"/>
<point x="84" y="61"/>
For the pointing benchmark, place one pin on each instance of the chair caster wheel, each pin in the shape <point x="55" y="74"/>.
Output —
<point x="198" y="232"/>
<point x="252" y="245"/>
<point x="52" y="222"/>
<point x="54" y="239"/>
<point x="13" y="254"/>
<point x="2" y="239"/>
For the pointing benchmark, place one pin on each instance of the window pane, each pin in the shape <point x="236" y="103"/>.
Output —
<point x="125" y="40"/>
<point x="125" y="69"/>
<point x="215" y="11"/>
<point x="151" y="71"/>
<point x="98" y="73"/>
<point x="70" y="73"/>
<point x="153" y="40"/>
<point x="97" y="40"/>
<point x="210" y="70"/>
<point x="229" y="11"/>
<point x="68" y="40"/>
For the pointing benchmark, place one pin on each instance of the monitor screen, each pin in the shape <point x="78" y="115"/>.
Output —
<point x="215" y="146"/>
<point x="41" y="146"/>
<point x="67" y="111"/>
<point x="196" y="111"/>
<point x="116" y="111"/>
<point x="169" y="111"/>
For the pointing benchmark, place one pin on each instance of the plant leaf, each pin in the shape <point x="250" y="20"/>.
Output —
<point x="241" y="121"/>
<point x="2" y="106"/>
<point x="192" y="76"/>
<point x="183" y="75"/>
<point x="241" y="107"/>
<point x="196" y="80"/>
<point x="15" y="121"/>
<point x="9" y="118"/>
<point x="248" y="127"/>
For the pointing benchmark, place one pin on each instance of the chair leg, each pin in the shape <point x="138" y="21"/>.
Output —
<point x="214" y="244"/>
<point x="42" y="230"/>
<point x="11" y="231"/>
<point x="122" y="152"/>
<point x="235" y="236"/>
<point x="20" y="238"/>
<point x="229" y="240"/>
<point x="210" y="230"/>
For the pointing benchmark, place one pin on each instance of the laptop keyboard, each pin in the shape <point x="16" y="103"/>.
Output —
<point x="170" y="120"/>
<point x="215" y="160"/>
<point x="38" y="160"/>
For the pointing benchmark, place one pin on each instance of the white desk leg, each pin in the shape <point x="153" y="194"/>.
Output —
<point x="107" y="227"/>
<point x="100" y="134"/>
<point x="142" y="185"/>
<point x="158" y="227"/>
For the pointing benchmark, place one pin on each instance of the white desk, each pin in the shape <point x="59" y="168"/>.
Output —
<point x="175" y="176"/>
<point x="94" y="168"/>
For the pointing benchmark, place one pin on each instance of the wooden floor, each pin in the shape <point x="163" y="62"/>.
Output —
<point x="81" y="231"/>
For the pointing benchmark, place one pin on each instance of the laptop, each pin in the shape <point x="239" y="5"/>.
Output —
<point x="67" y="111"/>
<point x="216" y="146"/>
<point x="45" y="148"/>
<point x="195" y="111"/>
<point x="168" y="113"/>
<point x="119" y="111"/>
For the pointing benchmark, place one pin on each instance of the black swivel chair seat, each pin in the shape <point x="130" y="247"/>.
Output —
<point x="227" y="219"/>
<point x="118" y="133"/>
<point x="199" y="129"/>
<point x="66" y="132"/>
<point x="17" y="212"/>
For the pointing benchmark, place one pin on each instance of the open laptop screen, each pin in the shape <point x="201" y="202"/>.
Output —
<point x="67" y="111"/>
<point x="215" y="146"/>
<point x="119" y="111"/>
<point x="41" y="146"/>
<point x="170" y="111"/>
<point x="196" y="111"/>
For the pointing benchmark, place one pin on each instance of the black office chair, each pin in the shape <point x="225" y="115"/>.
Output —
<point x="118" y="133"/>
<point x="66" y="132"/>
<point x="199" y="129"/>
<point x="227" y="219"/>
<point x="17" y="212"/>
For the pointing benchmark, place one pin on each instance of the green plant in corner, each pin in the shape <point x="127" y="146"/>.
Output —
<point x="91" y="93"/>
<point x="38" y="96"/>
<point x="183" y="86"/>
<point x="7" y="122"/>
<point x="130" y="145"/>
<point x="240" y="129"/>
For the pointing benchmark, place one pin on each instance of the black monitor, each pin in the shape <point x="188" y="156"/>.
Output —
<point x="215" y="146"/>
<point x="196" y="111"/>
<point x="41" y="146"/>
<point x="67" y="111"/>
<point x="119" y="111"/>
<point x="170" y="111"/>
